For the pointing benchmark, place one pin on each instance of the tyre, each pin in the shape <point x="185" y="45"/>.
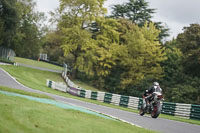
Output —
<point x="156" y="110"/>
<point x="142" y="110"/>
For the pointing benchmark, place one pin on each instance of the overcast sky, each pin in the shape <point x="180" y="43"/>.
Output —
<point x="176" y="14"/>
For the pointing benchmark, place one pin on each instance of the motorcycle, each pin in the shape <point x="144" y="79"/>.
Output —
<point x="154" y="106"/>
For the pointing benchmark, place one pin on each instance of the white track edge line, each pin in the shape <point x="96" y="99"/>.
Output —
<point x="103" y="114"/>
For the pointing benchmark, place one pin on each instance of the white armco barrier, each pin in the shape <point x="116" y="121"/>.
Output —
<point x="47" y="82"/>
<point x="57" y="86"/>
<point x="115" y="99"/>
<point x="133" y="102"/>
<point x="61" y="87"/>
<point x="88" y="94"/>
<point x="63" y="74"/>
<point x="183" y="110"/>
<point x="100" y="96"/>
<point x="70" y="83"/>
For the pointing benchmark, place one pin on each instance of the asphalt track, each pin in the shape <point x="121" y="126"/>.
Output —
<point x="159" y="124"/>
<point x="39" y="68"/>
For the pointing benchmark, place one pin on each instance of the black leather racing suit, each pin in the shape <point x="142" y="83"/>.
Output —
<point x="149" y="92"/>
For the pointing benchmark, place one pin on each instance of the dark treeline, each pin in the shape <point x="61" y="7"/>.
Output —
<point x="21" y="27"/>
<point x="122" y="53"/>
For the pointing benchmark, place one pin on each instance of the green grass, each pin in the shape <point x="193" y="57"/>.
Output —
<point x="2" y="88"/>
<point x="6" y="61"/>
<point x="176" y="118"/>
<point x="37" y="63"/>
<point x="86" y="86"/>
<point x="36" y="79"/>
<point x="20" y="115"/>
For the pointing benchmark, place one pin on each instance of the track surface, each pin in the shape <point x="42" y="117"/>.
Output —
<point x="159" y="124"/>
<point x="39" y="68"/>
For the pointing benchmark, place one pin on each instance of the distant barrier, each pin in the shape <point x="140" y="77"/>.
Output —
<point x="6" y="53"/>
<point x="189" y="111"/>
<point x="57" y="86"/>
<point x="43" y="57"/>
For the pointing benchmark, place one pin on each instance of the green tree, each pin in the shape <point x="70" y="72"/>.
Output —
<point x="79" y="12"/>
<point x="76" y="41"/>
<point x="172" y="66"/>
<point x="30" y="30"/>
<point x="135" y="10"/>
<point x="177" y="85"/>
<point x="185" y="92"/>
<point x="108" y="49"/>
<point x="189" y="44"/>
<point x="94" y="57"/>
<point x="75" y="16"/>
<point x="51" y="45"/>
<point x="143" y="56"/>
<point x="9" y="20"/>
<point x="138" y="12"/>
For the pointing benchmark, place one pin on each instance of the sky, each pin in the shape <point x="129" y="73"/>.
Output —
<point x="175" y="14"/>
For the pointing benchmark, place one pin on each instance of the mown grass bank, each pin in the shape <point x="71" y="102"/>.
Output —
<point x="6" y="61"/>
<point x="2" y="88"/>
<point x="21" y="115"/>
<point x="37" y="63"/>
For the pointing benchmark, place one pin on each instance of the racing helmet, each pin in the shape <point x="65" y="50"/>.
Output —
<point x="156" y="85"/>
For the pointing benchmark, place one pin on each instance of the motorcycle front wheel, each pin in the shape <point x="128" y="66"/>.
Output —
<point x="156" y="110"/>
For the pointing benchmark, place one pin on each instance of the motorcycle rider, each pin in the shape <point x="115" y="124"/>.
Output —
<point x="149" y="93"/>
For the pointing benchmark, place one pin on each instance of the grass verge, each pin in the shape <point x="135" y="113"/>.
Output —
<point x="37" y="63"/>
<point x="86" y="86"/>
<point x="36" y="79"/>
<point x="2" y="88"/>
<point x="6" y="61"/>
<point x="21" y="115"/>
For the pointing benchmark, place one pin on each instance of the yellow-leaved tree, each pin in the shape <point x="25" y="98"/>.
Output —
<point x="143" y="55"/>
<point x="75" y="16"/>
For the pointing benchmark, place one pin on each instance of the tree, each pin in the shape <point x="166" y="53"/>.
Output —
<point x="9" y="20"/>
<point x="135" y="10"/>
<point x="172" y="66"/>
<point x="20" y="27"/>
<point x="79" y="13"/>
<point x="76" y="41"/>
<point x="30" y="30"/>
<point x="95" y="56"/>
<point x="108" y="49"/>
<point x="138" y="12"/>
<point x="143" y="56"/>
<point x="75" y="16"/>
<point x="177" y="85"/>
<point x="189" y="44"/>
<point x="51" y="46"/>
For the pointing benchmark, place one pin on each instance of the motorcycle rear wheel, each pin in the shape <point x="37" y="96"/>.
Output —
<point x="142" y="110"/>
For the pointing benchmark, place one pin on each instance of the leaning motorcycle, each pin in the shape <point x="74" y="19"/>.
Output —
<point x="154" y="106"/>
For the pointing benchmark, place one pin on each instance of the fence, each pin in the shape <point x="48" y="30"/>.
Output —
<point x="189" y="111"/>
<point x="7" y="53"/>
<point x="43" y="57"/>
